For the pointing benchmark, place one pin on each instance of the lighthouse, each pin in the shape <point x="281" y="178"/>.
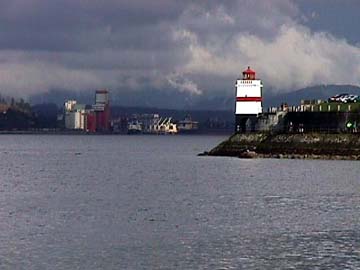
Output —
<point x="248" y="101"/>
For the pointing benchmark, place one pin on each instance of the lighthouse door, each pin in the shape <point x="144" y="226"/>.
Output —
<point x="246" y="123"/>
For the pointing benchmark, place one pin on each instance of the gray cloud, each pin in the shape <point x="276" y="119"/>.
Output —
<point x="182" y="84"/>
<point x="337" y="17"/>
<point x="294" y="58"/>
<point x="176" y="45"/>
<point x="286" y="54"/>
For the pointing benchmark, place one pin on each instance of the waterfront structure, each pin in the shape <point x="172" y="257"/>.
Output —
<point x="147" y="121"/>
<point x="134" y="127"/>
<point x="102" y="110"/>
<point x="151" y="124"/>
<point x="91" y="121"/>
<point x="75" y="120"/>
<point x="248" y="104"/>
<point x="88" y="118"/>
<point x="164" y="126"/>
<point x="70" y="105"/>
<point x="187" y="125"/>
<point x="75" y="115"/>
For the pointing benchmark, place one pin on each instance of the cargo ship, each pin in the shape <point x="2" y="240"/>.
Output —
<point x="134" y="127"/>
<point x="188" y="126"/>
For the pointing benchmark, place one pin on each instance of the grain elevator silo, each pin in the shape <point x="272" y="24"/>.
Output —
<point x="102" y="110"/>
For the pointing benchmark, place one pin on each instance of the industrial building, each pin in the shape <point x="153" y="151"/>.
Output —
<point x="75" y="115"/>
<point x="95" y="118"/>
<point x="102" y="111"/>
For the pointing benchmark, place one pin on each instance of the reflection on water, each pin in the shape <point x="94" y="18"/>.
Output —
<point x="148" y="202"/>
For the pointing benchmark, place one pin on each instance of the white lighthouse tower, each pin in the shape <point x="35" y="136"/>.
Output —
<point x="248" y="101"/>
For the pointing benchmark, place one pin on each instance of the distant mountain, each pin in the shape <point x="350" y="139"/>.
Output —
<point x="149" y="98"/>
<point x="59" y="96"/>
<point x="322" y="92"/>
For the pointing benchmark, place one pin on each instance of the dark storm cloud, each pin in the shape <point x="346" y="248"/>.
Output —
<point x="339" y="17"/>
<point x="97" y="43"/>
<point x="78" y="25"/>
<point x="194" y="46"/>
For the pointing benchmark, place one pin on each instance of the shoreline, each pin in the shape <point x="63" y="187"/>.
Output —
<point x="42" y="132"/>
<point x="290" y="146"/>
<point x="75" y="132"/>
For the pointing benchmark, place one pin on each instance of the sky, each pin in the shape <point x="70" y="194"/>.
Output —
<point x="197" y="47"/>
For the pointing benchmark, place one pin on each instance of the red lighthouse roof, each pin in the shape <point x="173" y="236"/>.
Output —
<point x="249" y="74"/>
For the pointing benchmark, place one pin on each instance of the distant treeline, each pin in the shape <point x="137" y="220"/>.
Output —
<point x="17" y="114"/>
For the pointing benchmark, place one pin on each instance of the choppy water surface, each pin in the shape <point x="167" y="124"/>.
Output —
<point x="148" y="202"/>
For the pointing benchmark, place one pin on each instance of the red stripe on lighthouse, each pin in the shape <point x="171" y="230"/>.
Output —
<point x="248" y="99"/>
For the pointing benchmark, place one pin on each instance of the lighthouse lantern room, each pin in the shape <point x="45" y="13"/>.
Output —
<point x="248" y="101"/>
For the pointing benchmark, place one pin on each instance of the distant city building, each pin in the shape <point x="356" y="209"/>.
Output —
<point x="91" y="122"/>
<point x="79" y="117"/>
<point x="75" y="115"/>
<point x="69" y="105"/>
<point x="75" y="119"/>
<point x="4" y="108"/>
<point x="102" y="110"/>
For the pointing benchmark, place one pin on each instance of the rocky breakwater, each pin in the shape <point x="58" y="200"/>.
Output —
<point x="307" y="145"/>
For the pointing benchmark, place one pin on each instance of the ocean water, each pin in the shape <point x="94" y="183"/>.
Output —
<point x="149" y="202"/>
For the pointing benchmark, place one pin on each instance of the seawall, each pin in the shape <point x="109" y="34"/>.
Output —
<point x="306" y="145"/>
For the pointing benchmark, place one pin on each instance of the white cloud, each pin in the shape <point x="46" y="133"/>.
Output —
<point x="295" y="57"/>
